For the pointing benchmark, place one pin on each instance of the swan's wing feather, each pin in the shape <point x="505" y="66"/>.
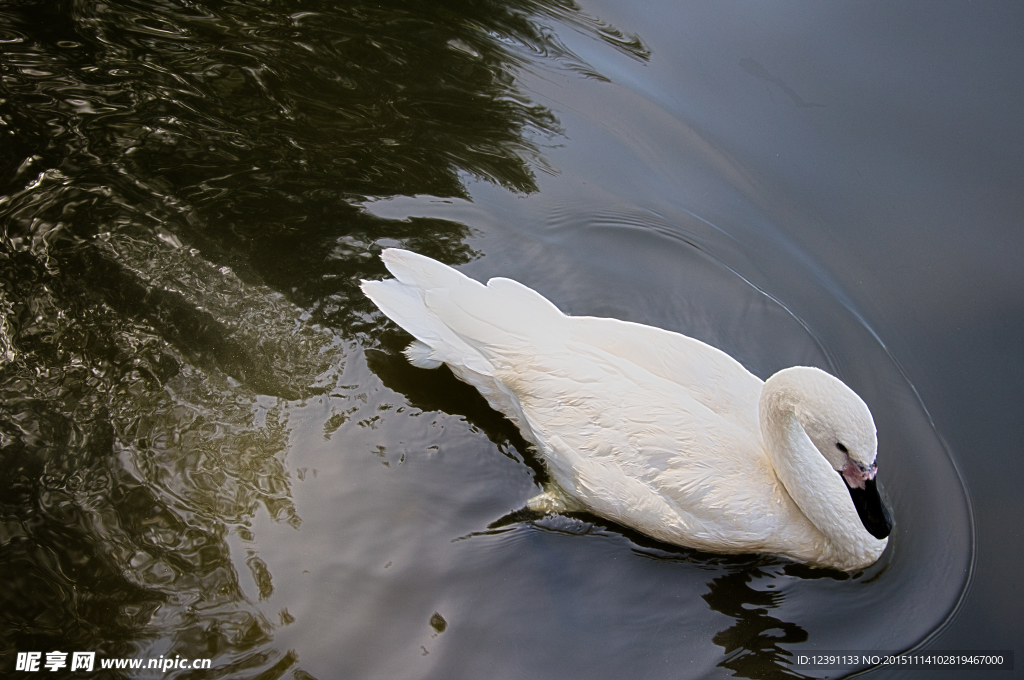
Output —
<point x="498" y="319"/>
<point x="639" y="450"/>
<point x="426" y="294"/>
<point x="423" y="272"/>
<point x="523" y="298"/>
<point x="711" y="376"/>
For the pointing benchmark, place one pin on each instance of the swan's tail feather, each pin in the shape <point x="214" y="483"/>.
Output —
<point x="404" y="305"/>
<point x="473" y="328"/>
<point x="459" y="321"/>
<point x="421" y="356"/>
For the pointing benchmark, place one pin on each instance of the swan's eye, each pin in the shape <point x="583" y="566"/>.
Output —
<point x="842" y="448"/>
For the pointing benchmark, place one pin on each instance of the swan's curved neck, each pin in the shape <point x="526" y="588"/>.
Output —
<point x="812" y="483"/>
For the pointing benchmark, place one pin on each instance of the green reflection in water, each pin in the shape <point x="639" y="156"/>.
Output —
<point x="180" y="250"/>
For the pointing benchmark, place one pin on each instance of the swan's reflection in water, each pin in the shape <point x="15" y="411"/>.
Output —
<point x="752" y="644"/>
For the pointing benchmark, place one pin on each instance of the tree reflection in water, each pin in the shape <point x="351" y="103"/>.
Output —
<point x="181" y="245"/>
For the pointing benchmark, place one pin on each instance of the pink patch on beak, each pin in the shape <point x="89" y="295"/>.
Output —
<point x="855" y="476"/>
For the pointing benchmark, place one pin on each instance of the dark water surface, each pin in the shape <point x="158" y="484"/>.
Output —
<point x="210" y="445"/>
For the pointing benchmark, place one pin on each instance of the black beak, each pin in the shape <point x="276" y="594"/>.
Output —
<point x="873" y="514"/>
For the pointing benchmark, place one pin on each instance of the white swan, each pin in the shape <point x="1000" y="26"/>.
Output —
<point x="652" y="429"/>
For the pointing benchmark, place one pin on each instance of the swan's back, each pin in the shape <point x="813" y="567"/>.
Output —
<point x="709" y="375"/>
<point x="465" y="322"/>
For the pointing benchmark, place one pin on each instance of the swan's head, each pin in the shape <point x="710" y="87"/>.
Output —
<point x="838" y="422"/>
<point x="840" y="426"/>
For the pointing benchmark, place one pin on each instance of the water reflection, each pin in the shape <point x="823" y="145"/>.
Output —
<point x="124" y="469"/>
<point x="181" y="248"/>
<point x="249" y="132"/>
<point x="439" y="390"/>
<point x="752" y="644"/>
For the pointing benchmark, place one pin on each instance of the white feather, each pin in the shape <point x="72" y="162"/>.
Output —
<point x="646" y="427"/>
